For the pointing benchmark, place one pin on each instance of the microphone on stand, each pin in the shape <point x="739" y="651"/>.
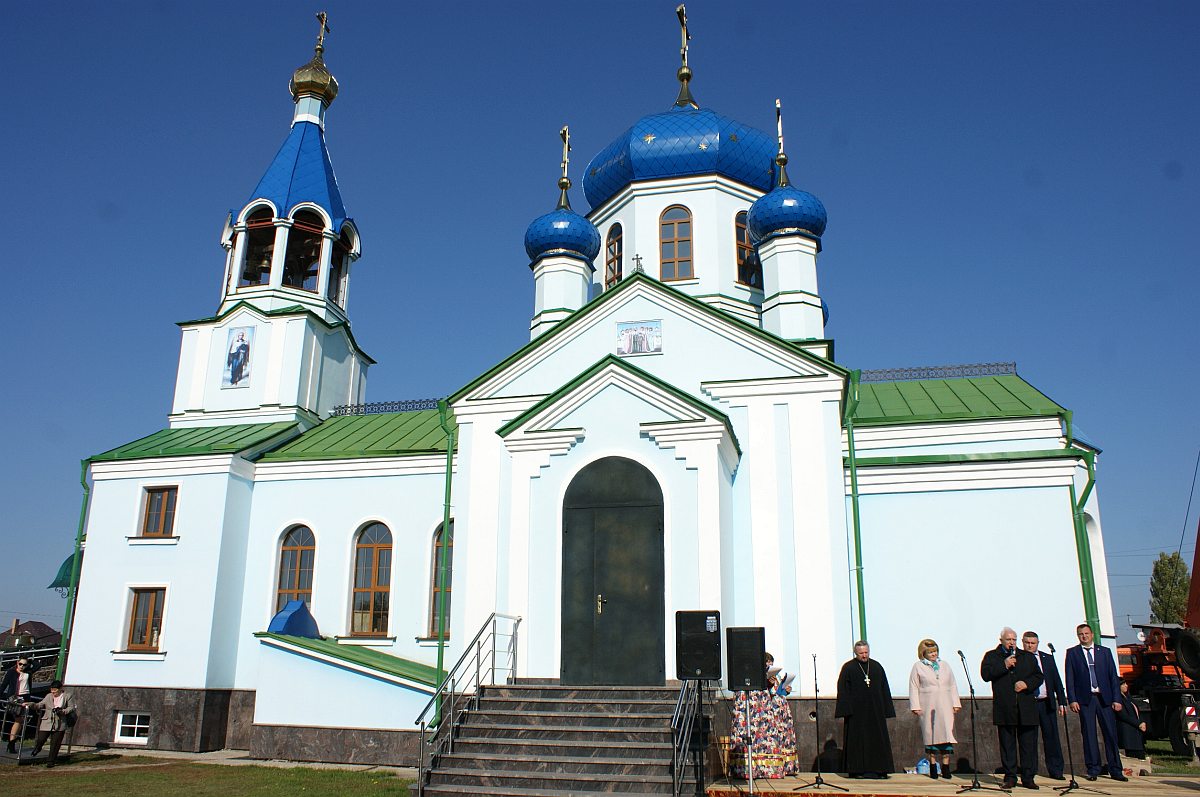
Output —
<point x="960" y="655"/>
<point x="1051" y="646"/>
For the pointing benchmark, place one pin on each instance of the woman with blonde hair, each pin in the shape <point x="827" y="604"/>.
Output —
<point x="933" y="697"/>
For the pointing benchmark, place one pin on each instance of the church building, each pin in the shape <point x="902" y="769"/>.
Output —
<point x="287" y="568"/>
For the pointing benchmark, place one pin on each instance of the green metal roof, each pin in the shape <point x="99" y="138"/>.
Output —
<point x="388" y="434"/>
<point x="1003" y="396"/>
<point x="197" y="440"/>
<point x="362" y="656"/>
<point x="62" y="580"/>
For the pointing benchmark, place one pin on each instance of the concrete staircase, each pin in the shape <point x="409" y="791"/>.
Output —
<point x="539" y="738"/>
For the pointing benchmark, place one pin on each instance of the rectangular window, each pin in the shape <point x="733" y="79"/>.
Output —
<point x="145" y="619"/>
<point x="132" y="728"/>
<point x="160" y="512"/>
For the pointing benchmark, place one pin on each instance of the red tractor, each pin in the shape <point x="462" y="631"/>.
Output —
<point x="1163" y="673"/>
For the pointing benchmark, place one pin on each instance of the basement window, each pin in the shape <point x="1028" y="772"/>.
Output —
<point x="132" y="728"/>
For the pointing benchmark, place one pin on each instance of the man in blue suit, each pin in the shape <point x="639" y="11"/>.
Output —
<point x="1094" y="689"/>
<point x="1051" y="702"/>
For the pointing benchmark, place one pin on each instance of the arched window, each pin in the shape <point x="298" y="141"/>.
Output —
<point x="302" y="260"/>
<point x="260" y="244"/>
<point x="337" y="267"/>
<point x="372" y="581"/>
<point x="436" y="588"/>
<point x="749" y="267"/>
<point x="296" y="554"/>
<point x="613" y="251"/>
<point x="675" y="244"/>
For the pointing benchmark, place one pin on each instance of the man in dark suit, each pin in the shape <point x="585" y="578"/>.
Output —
<point x="1051" y="702"/>
<point x="1094" y="689"/>
<point x="1015" y="679"/>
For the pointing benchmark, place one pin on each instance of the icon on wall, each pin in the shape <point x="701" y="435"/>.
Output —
<point x="639" y="337"/>
<point x="237" y="358"/>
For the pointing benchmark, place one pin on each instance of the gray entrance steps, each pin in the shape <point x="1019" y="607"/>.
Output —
<point x="549" y="740"/>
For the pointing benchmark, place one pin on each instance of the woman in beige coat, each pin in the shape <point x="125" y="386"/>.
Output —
<point x="933" y="697"/>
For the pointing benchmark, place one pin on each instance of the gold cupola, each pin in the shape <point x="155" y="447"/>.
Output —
<point x="313" y="79"/>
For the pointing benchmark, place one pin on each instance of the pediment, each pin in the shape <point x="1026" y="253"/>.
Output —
<point x="699" y="345"/>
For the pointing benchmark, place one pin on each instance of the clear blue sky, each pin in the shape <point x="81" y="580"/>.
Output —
<point x="1005" y="181"/>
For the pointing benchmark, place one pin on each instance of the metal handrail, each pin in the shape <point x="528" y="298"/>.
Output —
<point x="683" y="722"/>
<point x="464" y="679"/>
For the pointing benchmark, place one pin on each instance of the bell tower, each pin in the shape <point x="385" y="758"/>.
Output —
<point x="279" y="347"/>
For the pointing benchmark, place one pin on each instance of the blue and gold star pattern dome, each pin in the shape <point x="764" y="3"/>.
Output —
<point x="562" y="230"/>
<point x="681" y="142"/>
<point x="786" y="209"/>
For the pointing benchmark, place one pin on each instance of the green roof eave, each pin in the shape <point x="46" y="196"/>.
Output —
<point x="387" y="434"/>
<point x="613" y="360"/>
<point x="363" y="657"/>
<point x="943" y="459"/>
<point x="594" y="306"/>
<point x="198" y="441"/>
<point x="954" y="399"/>
<point x="290" y="310"/>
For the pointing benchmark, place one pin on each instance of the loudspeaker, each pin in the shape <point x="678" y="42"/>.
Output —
<point x="746" y="649"/>
<point x="698" y="646"/>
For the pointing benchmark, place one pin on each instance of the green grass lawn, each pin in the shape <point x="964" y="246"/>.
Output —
<point x="1166" y="762"/>
<point x="90" y="773"/>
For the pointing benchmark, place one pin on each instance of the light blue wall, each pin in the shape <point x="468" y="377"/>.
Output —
<point x="336" y="509"/>
<point x="958" y="566"/>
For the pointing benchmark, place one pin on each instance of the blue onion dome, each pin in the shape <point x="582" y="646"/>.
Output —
<point x="785" y="209"/>
<point x="562" y="230"/>
<point x="683" y="141"/>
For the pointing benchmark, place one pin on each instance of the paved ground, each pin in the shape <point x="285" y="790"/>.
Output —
<point x="235" y="758"/>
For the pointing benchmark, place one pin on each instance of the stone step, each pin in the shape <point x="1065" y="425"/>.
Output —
<point x="445" y="790"/>
<point x="596" y="719"/>
<point x="582" y="748"/>
<point x="543" y="781"/>
<point x="523" y="703"/>
<point x="599" y="734"/>
<point x="602" y="693"/>
<point x="520" y="760"/>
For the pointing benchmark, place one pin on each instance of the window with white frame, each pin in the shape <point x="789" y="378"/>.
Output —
<point x="132" y="728"/>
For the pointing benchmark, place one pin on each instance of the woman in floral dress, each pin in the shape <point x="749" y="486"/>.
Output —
<point x="770" y="735"/>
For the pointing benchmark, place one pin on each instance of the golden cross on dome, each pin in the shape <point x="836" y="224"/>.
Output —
<point x="681" y="12"/>
<point x="323" y="18"/>
<point x="565" y="135"/>
<point x="779" y="123"/>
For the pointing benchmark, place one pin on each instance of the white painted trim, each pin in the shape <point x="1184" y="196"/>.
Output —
<point x="352" y="468"/>
<point x="367" y="642"/>
<point x="788" y="386"/>
<point x="125" y="655"/>
<point x="867" y="438"/>
<point x="174" y="468"/>
<point x="601" y="215"/>
<point x="139" y="540"/>
<point x="962" y="476"/>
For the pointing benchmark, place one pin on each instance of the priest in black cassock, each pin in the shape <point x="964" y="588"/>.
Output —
<point x="864" y="701"/>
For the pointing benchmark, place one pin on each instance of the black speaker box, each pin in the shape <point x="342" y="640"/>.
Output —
<point x="698" y="646"/>
<point x="746" y="649"/>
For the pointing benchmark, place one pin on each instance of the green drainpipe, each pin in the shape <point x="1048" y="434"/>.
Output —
<point x="1083" y="546"/>
<point x="443" y="564"/>
<point x="851" y="407"/>
<point x="76" y="563"/>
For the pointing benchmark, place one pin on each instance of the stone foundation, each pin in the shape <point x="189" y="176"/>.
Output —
<point x="335" y="745"/>
<point x="189" y="720"/>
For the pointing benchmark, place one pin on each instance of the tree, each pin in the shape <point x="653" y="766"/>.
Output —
<point x="1169" y="584"/>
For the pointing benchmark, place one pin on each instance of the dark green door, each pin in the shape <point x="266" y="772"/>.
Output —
<point x="613" y="627"/>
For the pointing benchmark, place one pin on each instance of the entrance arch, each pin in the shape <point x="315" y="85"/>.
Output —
<point x="613" y="631"/>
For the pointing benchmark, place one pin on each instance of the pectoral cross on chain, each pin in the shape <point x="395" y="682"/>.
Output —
<point x="866" y="679"/>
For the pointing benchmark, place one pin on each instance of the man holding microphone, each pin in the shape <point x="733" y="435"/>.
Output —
<point x="1016" y="679"/>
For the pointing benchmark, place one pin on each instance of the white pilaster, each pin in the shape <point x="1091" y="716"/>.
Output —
<point x="561" y="285"/>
